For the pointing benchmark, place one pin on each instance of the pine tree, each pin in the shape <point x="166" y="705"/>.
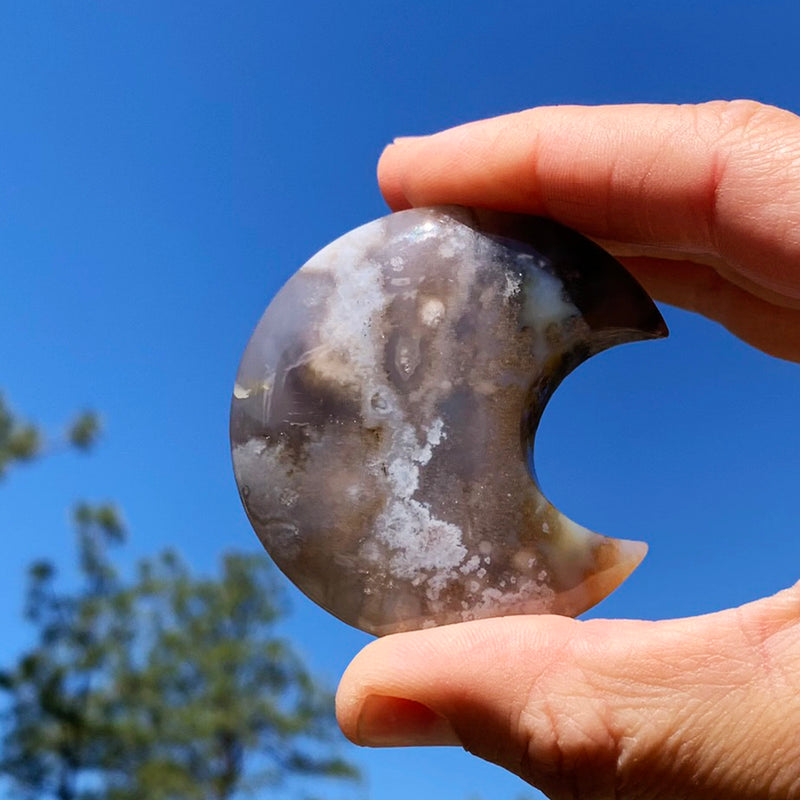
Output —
<point x="164" y="685"/>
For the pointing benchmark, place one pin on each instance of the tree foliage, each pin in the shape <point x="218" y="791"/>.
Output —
<point x="22" y="441"/>
<point x="55" y="726"/>
<point x="230" y="703"/>
<point x="19" y="441"/>
<point x="162" y="685"/>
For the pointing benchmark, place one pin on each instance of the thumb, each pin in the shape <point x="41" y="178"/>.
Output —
<point x="695" y="708"/>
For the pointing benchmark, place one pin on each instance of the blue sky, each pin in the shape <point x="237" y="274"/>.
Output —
<point x="164" y="167"/>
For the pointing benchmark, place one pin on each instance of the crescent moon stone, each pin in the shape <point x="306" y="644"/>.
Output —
<point x="385" y="409"/>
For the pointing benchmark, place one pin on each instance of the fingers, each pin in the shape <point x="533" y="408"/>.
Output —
<point x="624" y="709"/>
<point x="773" y="329"/>
<point x="719" y="179"/>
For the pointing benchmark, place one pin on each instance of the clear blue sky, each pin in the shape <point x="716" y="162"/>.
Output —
<point x="164" y="167"/>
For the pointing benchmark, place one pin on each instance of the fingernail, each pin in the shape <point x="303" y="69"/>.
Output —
<point x="402" y="139"/>
<point x="396" y="722"/>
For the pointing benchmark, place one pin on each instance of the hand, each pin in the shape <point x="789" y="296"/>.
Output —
<point x="703" y="204"/>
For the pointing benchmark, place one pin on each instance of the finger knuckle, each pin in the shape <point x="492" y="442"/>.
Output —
<point x="570" y="748"/>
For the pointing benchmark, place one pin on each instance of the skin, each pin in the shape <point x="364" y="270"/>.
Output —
<point x="702" y="203"/>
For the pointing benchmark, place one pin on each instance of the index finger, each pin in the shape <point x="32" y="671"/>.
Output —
<point x="719" y="179"/>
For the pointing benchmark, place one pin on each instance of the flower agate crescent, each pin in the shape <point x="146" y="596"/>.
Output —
<point x="385" y="408"/>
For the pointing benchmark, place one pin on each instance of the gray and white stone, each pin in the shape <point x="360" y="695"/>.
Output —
<point x="384" y="413"/>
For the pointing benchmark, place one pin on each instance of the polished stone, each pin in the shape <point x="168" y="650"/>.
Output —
<point x="385" y="408"/>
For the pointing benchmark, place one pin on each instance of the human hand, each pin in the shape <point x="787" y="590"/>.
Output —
<point x="702" y="203"/>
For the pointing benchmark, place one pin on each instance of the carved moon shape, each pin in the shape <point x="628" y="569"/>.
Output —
<point x="385" y="409"/>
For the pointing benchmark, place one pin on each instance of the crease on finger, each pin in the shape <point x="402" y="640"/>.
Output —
<point x="772" y="328"/>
